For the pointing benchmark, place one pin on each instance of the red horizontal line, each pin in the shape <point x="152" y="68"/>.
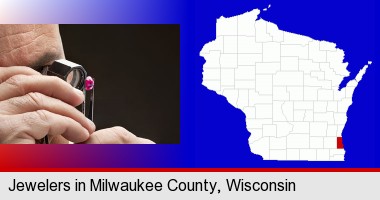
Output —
<point x="189" y="169"/>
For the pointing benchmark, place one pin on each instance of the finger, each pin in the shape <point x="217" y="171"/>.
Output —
<point x="55" y="87"/>
<point x="38" y="124"/>
<point x="58" y="140"/>
<point x="116" y="135"/>
<point x="37" y="101"/>
<point x="7" y="72"/>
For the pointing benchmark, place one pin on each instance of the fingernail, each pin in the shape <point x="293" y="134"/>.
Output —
<point x="91" y="124"/>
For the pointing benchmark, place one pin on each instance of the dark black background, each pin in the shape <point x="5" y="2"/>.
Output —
<point x="136" y="71"/>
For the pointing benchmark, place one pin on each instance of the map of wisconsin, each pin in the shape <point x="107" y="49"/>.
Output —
<point x="286" y="84"/>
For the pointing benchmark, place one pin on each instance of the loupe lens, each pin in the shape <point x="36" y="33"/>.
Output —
<point x="68" y="71"/>
<point x="75" y="78"/>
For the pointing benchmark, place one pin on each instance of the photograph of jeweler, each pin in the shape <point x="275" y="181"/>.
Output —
<point x="89" y="84"/>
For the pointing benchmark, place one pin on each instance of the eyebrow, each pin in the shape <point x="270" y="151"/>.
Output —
<point x="46" y="59"/>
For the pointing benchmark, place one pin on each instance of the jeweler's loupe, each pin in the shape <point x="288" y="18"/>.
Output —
<point x="71" y="72"/>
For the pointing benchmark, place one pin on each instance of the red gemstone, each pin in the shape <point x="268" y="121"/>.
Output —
<point x="89" y="83"/>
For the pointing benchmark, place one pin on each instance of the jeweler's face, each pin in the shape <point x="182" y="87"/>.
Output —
<point x="29" y="45"/>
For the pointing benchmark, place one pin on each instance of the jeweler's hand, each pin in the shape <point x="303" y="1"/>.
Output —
<point x="33" y="106"/>
<point x="116" y="135"/>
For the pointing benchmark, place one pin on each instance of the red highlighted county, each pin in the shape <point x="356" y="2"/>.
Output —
<point x="339" y="143"/>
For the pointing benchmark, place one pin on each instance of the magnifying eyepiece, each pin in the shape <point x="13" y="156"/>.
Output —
<point x="71" y="72"/>
<point x="75" y="78"/>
